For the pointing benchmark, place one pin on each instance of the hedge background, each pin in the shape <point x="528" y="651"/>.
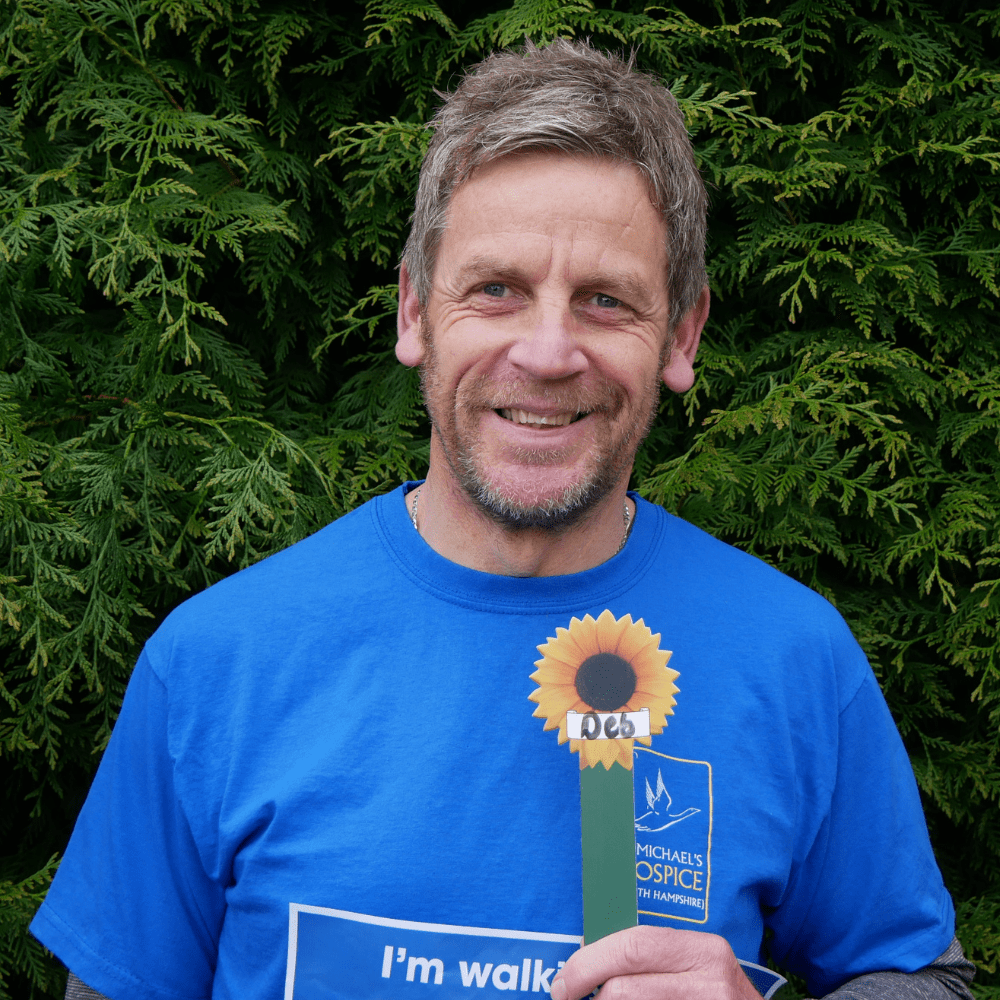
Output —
<point x="201" y="206"/>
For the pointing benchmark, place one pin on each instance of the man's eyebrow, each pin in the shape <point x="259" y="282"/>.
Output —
<point x="480" y="266"/>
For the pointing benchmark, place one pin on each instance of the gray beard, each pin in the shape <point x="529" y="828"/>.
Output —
<point x="556" y="514"/>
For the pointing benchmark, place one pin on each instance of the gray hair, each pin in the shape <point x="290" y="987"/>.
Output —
<point x="568" y="98"/>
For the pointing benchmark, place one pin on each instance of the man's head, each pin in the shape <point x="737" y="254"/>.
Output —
<point x="568" y="98"/>
<point x="553" y="278"/>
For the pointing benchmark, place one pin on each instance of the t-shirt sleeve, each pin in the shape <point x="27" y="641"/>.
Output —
<point x="868" y="894"/>
<point x="132" y="911"/>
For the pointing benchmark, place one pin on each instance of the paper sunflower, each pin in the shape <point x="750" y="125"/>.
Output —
<point x="603" y="665"/>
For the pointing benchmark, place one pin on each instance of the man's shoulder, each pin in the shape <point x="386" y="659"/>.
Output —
<point x="733" y="610"/>
<point x="293" y="584"/>
<point x="725" y="581"/>
<point x="700" y="553"/>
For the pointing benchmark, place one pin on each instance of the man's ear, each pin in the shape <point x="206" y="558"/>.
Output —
<point x="678" y="372"/>
<point x="409" y="326"/>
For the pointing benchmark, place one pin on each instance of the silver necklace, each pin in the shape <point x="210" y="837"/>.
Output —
<point x="625" y="513"/>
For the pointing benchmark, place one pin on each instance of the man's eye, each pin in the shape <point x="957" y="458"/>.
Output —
<point x="606" y="301"/>
<point x="495" y="290"/>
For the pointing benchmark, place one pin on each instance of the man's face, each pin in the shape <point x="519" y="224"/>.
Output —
<point x="543" y="339"/>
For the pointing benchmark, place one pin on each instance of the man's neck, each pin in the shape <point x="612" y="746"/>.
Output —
<point x="458" y="530"/>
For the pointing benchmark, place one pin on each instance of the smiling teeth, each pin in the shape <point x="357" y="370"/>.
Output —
<point x="524" y="417"/>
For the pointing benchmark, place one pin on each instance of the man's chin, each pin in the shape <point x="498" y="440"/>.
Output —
<point x="555" y="510"/>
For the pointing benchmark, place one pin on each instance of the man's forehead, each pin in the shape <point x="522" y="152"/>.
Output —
<point x="555" y="162"/>
<point x="525" y="203"/>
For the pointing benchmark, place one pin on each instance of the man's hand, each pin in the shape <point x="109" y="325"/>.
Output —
<point x="655" y="963"/>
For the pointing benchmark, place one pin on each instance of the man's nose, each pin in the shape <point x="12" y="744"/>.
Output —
<point x="547" y="346"/>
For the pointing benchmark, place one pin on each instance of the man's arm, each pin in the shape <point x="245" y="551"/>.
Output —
<point x="75" y="990"/>
<point x="655" y="963"/>
<point x="947" y="977"/>
<point x="132" y="843"/>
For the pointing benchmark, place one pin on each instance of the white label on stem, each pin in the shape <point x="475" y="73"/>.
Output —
<point x="607" y="725"/>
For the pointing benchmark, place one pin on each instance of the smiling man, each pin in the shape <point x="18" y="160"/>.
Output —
<point x="326" y="779"/>
<point x="543" y="344"/>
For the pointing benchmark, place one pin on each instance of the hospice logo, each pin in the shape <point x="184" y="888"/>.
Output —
<point x="658" y="816"/>
<point x="673" y="835"/>
<point x="344" y="955"/>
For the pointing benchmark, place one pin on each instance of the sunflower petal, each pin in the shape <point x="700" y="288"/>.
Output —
<point x="589" y="752"/>
<point x="554" y="672"/>
<point x="625" y="753"/>
<point x="583" y="635"/>
<point x="556" y="701"/>
<point x="634" y="641"/>
<point x="608" y="752"/>
<point x="564" y="657"/>
<point x="609" y="630"/>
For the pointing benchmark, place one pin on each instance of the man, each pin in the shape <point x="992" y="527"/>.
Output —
<point x="326" y="773"/>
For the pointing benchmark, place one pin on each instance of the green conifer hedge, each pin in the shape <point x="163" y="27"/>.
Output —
<point x="201" y="206"/>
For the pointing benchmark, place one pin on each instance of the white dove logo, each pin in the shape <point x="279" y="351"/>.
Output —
<point x="660" y="811"/>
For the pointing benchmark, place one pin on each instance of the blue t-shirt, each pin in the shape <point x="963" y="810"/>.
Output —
<point x="330" y="758"/>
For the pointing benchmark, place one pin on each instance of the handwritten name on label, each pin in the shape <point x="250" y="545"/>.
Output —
<point x="607" y="725"/>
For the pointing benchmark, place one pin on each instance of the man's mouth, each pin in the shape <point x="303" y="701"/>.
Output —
<point x="539" y="420"/>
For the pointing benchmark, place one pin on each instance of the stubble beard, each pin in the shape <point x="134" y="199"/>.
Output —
<point x="609" y="462"/>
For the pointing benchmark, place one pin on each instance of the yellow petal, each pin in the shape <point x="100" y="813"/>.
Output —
<point x="625" y="753"/>
<point x="584" y="637"/>
<point x="654" y="701"/>
<point x="609" y="631"/>
<point x="664" y="705"/>
<point x="555" y="701"/>
<point x="585" y="748"/>
<point x="564" y="656"/>
<point x="559" y="724"/>
<point x="554" y="672"/>
<point x="564" y="639"/>
<point x="634" y="641"/>
<point x="608" y="752"/>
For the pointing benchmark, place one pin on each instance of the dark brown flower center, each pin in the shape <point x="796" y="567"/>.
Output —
<point x="605" y="681"/>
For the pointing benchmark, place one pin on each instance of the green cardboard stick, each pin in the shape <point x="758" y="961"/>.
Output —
<point x="607" y="822"/>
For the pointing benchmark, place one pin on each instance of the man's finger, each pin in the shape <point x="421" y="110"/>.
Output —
<point x="690" y="956"/>
<point x="670" y="986"/>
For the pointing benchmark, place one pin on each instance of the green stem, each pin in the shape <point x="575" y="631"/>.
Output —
<point x="607" y="824"/>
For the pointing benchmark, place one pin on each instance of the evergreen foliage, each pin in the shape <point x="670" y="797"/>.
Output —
<point x="201" y="207"/>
